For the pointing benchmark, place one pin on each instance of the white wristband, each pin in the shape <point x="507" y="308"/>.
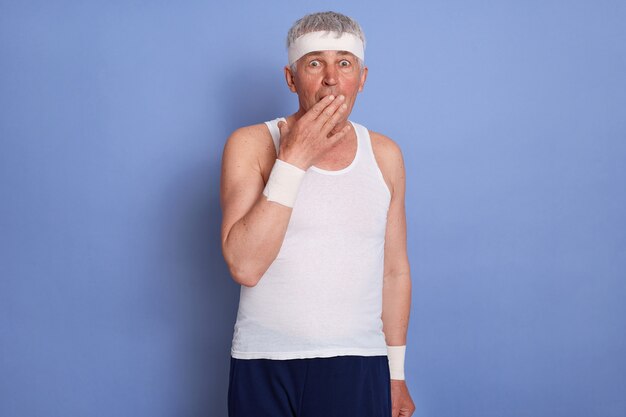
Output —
<point x="395" y="355"/>
<point x="283" y="184"/>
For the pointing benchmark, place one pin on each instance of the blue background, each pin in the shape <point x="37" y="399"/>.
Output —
<point x="114" y="296"/>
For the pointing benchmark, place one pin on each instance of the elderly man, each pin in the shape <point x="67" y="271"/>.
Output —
<point x="314" y="230"/>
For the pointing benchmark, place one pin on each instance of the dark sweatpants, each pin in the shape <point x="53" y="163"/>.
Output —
<point x="316" y="387"/>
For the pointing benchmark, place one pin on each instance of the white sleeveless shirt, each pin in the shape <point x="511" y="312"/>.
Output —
<point x="322" y="295"/>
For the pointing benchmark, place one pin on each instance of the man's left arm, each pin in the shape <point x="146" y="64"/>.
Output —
<point x="397" y="276"/>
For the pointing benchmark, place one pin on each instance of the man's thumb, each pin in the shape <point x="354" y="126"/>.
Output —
<point x="282" y="127"/>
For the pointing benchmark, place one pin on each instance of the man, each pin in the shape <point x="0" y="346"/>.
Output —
<point x="314" y="230"/>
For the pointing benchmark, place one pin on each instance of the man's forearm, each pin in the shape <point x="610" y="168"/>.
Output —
<point x="254" y="241"/>
<point x="396" y="307"/>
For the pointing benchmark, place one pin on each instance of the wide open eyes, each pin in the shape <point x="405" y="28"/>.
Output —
<point x="344" y="63"/>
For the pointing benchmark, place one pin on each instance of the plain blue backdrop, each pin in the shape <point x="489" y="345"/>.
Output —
<point x="114" y="296"/>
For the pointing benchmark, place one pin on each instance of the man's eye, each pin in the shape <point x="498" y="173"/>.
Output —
<point x="344" y="63"/>
<point x="314" y="63"/>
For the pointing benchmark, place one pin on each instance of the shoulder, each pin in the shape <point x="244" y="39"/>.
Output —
<point x="250" y="136"/>
<point x="252" y="146"/>
<point x="247" y="141"/>
<point x="385" y="146"/>
<point x="389" y="158"/>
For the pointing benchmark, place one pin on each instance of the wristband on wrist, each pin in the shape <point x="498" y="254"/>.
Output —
<point x="283" y="183"/>
<point x="395" y="354"/>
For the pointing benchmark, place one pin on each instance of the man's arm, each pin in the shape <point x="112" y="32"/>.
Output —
<point x="253" y="226"/>
<point x="397" y="279"/>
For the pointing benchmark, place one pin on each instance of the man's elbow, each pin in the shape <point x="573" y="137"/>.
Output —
<point x="243" y="277"/>
<point x="244" y="268"/>
<point x="402" y="277"/>
<point x="241" y="273"/>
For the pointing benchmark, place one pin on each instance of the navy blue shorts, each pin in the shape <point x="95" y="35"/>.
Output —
<point x="314" y="387"/>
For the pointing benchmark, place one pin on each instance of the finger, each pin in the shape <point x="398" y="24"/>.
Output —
<point x="318" y="107"/>
<point x="341" y="134"/>
<point x="283" y="128"/>
<point x="331" y="122"/>
<point x="330" y="110"/>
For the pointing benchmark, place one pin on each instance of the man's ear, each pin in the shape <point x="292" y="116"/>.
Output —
<point x="289" y="77"/>
<point x="363" y="78"/>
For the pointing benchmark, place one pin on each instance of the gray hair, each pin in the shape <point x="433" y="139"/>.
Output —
<point x="328" y="21"/>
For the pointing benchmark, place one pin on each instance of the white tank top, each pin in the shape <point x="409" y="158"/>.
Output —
<point x="322" y="295"/>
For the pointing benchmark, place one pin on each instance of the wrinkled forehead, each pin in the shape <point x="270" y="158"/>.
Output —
<point x="321" y="41"/>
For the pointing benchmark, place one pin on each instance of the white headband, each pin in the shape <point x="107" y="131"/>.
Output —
<point x="325" y="41"/>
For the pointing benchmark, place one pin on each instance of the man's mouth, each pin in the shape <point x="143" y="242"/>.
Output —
<point x="326" y="95"/>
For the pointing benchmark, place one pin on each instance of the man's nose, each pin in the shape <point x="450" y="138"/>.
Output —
<point x="330" y="75"/>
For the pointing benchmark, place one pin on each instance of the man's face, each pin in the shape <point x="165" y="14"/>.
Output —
<point x="319" y="74"/>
